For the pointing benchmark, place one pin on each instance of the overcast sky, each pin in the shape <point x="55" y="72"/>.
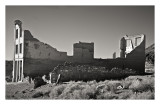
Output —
<point x="61" y="26"/>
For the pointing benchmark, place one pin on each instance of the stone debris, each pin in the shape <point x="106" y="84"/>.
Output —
<point x="72" y="71"/>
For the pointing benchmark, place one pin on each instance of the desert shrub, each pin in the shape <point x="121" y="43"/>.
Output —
<point x="140" y="85"/>
<point x="107" y="95"/>
<point x="89" y="92"/>
<point x="144" y="95"/>
<point x="114" y="82"/>
<point x="102" y="82"/>
<point x="81" y="83"/>
<point x="113" y="86"/>
<point x="57" y="90"/>
<point x="100" y="87"/>
<point x="77" y="94"/>
<point x="92" y="82"/>
<point x="126" y="83"/>
<point x="125" y="94"/>
<point x="37" y="94"/>
<point x="74" y="90"/>
<point x="108" y="89"/>
<point x="44" y="91"/>
<point x="69" y="90"/>
<point x="103" y="88"/>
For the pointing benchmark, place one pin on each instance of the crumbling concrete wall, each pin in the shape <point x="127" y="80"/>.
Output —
<point x="40" y="58"/>
<point x="38" y="50"/>
<point x="122" y="63"/>
<point x="39" y="67"/>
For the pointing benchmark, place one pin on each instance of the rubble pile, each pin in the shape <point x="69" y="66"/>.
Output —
<point x="76" y="72"/>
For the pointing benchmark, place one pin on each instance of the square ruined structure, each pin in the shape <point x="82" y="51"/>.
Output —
<point x="83" y="52"/>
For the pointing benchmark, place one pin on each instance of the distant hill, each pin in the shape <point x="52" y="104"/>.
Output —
<point x="150" y="54"/>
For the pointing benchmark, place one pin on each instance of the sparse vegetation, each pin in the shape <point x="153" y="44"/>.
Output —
<point x="132" y="87"/>
<point x="150" y="56"/>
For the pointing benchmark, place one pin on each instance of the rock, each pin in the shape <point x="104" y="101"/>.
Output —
<point x="38" y="81"/>
<point x="119" y="87"/>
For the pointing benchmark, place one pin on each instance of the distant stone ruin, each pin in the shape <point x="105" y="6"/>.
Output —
<point x="34" y="58"/>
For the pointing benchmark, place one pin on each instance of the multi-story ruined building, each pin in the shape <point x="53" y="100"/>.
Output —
<point x="35" y="58"/>
<point x="18" y="52"/>
<point x="29" y="52"/>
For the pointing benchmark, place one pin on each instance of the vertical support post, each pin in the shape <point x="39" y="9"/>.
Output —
<point x="18" y="55"/>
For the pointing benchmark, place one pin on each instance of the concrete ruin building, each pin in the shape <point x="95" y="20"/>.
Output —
<point x="83" y="52"/>
<point x="133" y="50"/>
<point x="35" y="58"/>
<point x="29" y="52"/>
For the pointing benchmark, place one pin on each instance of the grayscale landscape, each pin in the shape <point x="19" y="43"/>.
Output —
<point x="80" y="52"/>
